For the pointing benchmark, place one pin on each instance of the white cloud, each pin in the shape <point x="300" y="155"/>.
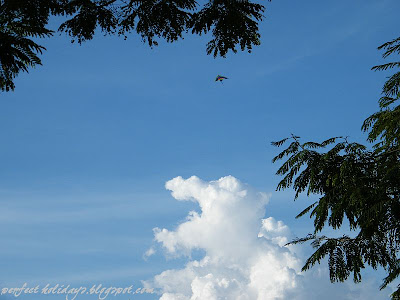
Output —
<point x="151" y="251"/>
<point x="245" y="257"/>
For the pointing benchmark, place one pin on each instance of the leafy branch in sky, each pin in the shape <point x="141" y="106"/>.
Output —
<point x="354" y="182"/>
<point x="232" y="23"/>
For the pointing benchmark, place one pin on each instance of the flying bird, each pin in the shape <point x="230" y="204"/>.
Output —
<point x="220" y="78"/>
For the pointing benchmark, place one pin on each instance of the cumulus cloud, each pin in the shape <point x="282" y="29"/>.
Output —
<point x="245" y="257"/>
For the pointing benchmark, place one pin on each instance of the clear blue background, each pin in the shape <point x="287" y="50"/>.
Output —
<point x="89" y="139"/>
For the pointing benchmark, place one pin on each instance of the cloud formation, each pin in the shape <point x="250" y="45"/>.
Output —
<point x="245" y="257"/>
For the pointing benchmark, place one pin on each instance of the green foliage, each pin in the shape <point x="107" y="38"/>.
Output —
<point x="384" y="124"/>
<point x="19" y="22"/>
<point x="354" y="182"/>
<point x="232" y="23"/>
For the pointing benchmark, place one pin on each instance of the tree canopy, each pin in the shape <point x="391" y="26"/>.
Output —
<point x="360" y="183"/>
<point x="232" y="23"/>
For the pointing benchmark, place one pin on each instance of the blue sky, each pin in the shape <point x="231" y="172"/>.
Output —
<point x="90" y="138"/>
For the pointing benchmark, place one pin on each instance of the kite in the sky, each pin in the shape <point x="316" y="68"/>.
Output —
<point x="220" y="78"/>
